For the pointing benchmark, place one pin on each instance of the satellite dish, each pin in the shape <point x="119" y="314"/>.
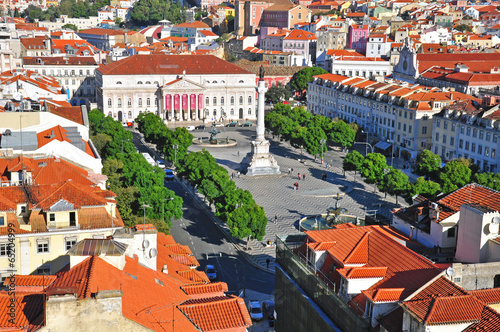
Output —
<point x="496" y="220"/>
<point x="145" y="244"/>
<point x="17" y="96"/>
<point x="153" y="252"/>
<point x="450" y="271"/>
<point x="493" y="228"/>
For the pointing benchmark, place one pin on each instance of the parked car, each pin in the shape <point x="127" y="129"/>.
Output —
<point x="255" y="310"/>
<point x="160" y="163"/>
<point x="232" y="124"/>
<point x="216" y="124"/>
<point x="200" y="127"/>
<point x="190" y="128"/>
<point x="268" y="309"/>
<point x="211" y="272"/>
<point x="169" y="175"/>
<point x="247" y="124"/>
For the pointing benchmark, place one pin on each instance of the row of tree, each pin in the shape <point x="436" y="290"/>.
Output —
<point x="433" y="179"/>
<point x="72" y="8"/>
<point x="236" y="207"/>
<point x="149" y="12"/>
<point x="131" y="177"/>
<point x="305" y="130"/>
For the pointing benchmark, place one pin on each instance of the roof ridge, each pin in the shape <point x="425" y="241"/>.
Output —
<point x="431" y="310"/>
<point x="90" y="273"/>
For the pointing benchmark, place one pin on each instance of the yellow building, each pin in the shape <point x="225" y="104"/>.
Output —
<point x="43" y="222"/>
<point x="460" y="38"/>
<point x="229" y="11"/>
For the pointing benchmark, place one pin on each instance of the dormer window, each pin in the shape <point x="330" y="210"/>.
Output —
<point x="2" y="221"/>
<point x="52" y="217"/>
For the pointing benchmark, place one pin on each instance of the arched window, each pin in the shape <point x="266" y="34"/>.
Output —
<point x="249" y="111"/>
<point x="140" y="102"/>
<point x="215" y="82"/>
<point x="241" y="100"/>
<point x="140" y="82"/>
<point x="232" y="111"/>
<point x="118" y="82"/>
<point x="119" y="102"/>
<point x="232" y="100"/>
<point x="148" y="82"/>
<point x="156" y="82"/>
<point x="110" y="103"/>
<point x="241" y="81"/>
<point x="129" y="102"/>
<point x="215" y="101"/>
<point x="129" y="114"/>
<point x="249" y="99"/>
<point x="222" y="101"/>
<point x="207" y="101"/>
<point x="223" y="81"/>
<point x="148" y="102"/>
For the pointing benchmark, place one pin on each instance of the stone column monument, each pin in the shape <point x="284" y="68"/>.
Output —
<point x="259" y="160"/>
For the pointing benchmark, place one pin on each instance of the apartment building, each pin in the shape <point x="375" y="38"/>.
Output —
<point x="466" y="130"/>
<point x="400" y="114"/>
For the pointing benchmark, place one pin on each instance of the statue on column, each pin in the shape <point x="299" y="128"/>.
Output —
<point x="261" y="73"/>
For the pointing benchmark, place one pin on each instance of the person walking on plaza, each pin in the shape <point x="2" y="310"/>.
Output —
<point x="239" y="174"/>
<point x="303" y="176"/>
<point x="289" y="171"/>
<point x="268" y="261"/>
<point x="275" y="218"/>
<point x="299" y="176"/>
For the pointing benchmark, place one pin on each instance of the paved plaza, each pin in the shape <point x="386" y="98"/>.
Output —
<point x="278" y="197"/>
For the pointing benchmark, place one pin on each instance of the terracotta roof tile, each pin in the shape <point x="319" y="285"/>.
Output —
<point x="207" y="289"/>
<point x="29" y="312"/>
<point x="155" y="64"/>
<point x="488" y="296"/>
<point x="363" y="272"/>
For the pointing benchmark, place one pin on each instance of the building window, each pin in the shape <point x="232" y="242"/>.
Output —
<point x="452" y="141"/>
<point x="232" y="100"/>
<point x="70" y="241"/>
<point x="129" y="102"/>
<point x="467" y="145"/>
<point x="241" y="100"/>
<point x="453" y="127"/>
<point x="140" y="102"/>
<point x="474" y="133"/>
<point x="2" y="221"/>
<point x="249" y="111"/>
<point x="444" y="139"/>
<point x="438" y="123"/>
<point x="4" y="249"/>
<point x="148" y="102"/>
<point x="207" y="101"/>
<point x="42" y="246"/>
<point x="119" y="102"/>
<point x="215" y="101"/>
<point x="424" y="130"/>
<point x="222" y="101"/>
<point x="249" y="100"/>
<point x="110" y="103"/>
<point x="52" y="217"/>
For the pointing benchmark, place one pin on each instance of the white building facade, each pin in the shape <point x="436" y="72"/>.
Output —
<point x="177" y="88"/>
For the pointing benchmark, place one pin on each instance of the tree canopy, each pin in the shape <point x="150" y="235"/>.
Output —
<point x="394" y="182"/>
<point x="454" y="175"/>
<point x="352" y="162"/>
<point x="302" y="77"/>
<point x="149" y="12"/>
<point x="427" y="164"/>
<point x="373" y="168"/>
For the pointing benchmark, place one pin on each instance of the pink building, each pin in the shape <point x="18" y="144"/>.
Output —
<point x="357" y="37"/>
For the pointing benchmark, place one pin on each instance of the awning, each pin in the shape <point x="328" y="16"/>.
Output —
<point x="383" y="145"/>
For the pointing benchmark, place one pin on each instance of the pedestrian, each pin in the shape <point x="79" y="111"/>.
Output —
<point x="239" y="175"/>
<point x="289" y="171"/>
<point x="268" y="261"/>
<point x="299" y="176"/>
<point x="326" y="166"/>
<point x="292" y="169"/>
<point x="232" y="175"/>
<point x="296" y="186"/>
<point x="238" y="153"/>
<point x="275" y="218"/>
<point x="303" y="176"/>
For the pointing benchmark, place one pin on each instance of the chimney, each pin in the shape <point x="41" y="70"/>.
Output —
<point x="411" y="232"/>
<point x="165" y="269"/>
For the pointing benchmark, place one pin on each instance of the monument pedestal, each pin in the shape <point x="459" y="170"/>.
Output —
<point x="260" y="161"/>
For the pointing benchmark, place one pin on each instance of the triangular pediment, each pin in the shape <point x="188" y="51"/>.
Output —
<point x="183" y="84"/>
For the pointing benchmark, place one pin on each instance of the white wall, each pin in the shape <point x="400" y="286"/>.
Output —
<point x="355" y="286"/>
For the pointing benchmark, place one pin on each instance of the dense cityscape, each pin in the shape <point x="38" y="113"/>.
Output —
<point x="249" y="165"/>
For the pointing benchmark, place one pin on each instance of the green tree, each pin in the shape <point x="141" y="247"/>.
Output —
<point x="394" y="182"/>
<point x="454" y="175"/>
<point x="373" y="168"/>
<point x="427" y="164"/>
<point x="463" y="28"/>
<point x="70" y="26"/>
<point x="490" y="180"/>
<point x="342" y="133"/>
<point x="278" y="93"/>
<point x="352" y="162"/>
<point x="127" y="203"/>
<point x="302" y="77"/>
<point x="247" y="221"/>
<point x="100" y="142"/>
<point x="426" y="188"/>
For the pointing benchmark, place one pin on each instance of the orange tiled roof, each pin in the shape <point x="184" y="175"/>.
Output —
<point x="488" y="296"/>
<point x="214" y="287"/>
<point x="29" y="312"/>
<point x="32" y="280"/>
<point x="363" y="272"/>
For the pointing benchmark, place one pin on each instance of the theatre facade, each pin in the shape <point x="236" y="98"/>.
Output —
<point x="177" y="88"/>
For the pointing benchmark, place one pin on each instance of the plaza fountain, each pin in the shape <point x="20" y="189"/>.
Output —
<point x="213" y="141"/>
<point x="333" y="216"/>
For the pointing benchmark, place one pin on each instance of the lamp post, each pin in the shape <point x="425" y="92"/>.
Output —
<point x="323" y="141"/>
<point x="144" y="206"/>
<point x="392" y="152"/>
<point x="175" y="147"/>
<point x="163" y="207"/>
<point x="366" y="147"/>
<point x="124" y="140"/>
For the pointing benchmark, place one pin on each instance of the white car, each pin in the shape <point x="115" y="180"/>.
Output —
<point x="255" y="310"/>
<point x="160" y="163"/>
<point x="190" y="128"/>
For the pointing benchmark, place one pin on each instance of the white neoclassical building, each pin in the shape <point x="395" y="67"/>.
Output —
<point x="176" y="87"/>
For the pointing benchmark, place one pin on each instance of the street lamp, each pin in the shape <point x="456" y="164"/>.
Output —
<point x="175" y="147"/>
<point x="124" y="140"/>
<point x="163" y="207"/>
<point x="323" y="141"/>
<point x="236" y="259"/>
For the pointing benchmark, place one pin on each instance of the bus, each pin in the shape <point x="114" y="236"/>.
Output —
<point x="149" y="159"/>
